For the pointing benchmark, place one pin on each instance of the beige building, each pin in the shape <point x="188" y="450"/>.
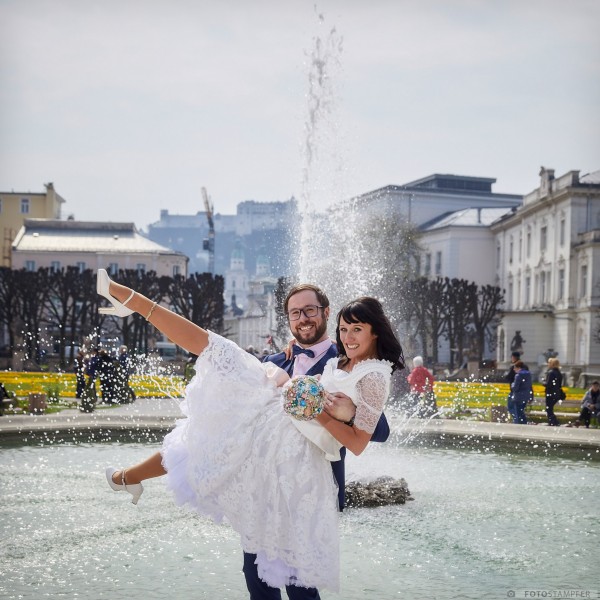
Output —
<point x="92" y="245"/>
<point x="15" y="207"/>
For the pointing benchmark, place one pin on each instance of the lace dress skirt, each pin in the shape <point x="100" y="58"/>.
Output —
<point x="238" y="458"/>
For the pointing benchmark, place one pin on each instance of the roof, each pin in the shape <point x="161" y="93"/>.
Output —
<point x="447" y="184"/>
<point x="454" y="183"/>
<point x="53" y="235"/>
<point x="467" y="217"/>
<point x="592" y="178"/>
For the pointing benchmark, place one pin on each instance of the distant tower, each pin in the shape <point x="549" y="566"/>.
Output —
<point x="263" y="266"/>
<point x="236" y="277"/>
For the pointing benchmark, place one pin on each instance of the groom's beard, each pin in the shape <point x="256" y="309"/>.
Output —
<point x="308" y="338"/>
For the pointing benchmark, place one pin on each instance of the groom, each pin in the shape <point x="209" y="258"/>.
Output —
<point x="307" y="310"/>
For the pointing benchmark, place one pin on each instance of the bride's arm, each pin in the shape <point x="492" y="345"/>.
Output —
<point x="354" y="439"/>
<point x="178" y="329"/>
<point x="372" y="391"/>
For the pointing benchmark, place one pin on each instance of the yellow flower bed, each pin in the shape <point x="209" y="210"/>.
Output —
<point x="25" y="383"/>
<point x="485" y="394"/>
<point x="160" y="386"/>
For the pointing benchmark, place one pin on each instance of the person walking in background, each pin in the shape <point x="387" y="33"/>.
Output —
<point x="553" y="387"/>
<point x="80" y="369"/>
<point x="521" y="393"/>
<point x="106" y="374"/>
<point x="421" y="382"/>
<point x="122" y="391"/>
<point x="510" y="375"/>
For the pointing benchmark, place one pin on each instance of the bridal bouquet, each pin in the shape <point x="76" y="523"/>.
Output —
<point x="304" y="397"/>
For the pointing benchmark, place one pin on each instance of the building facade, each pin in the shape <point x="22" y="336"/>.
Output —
<point x="15" y="207"/>
<point x="461" y="245"/>
<point x="548" y="262"/>
<point x="257" y="228"/>
<point x="425" y="199"/>
<point x="56" y="244"/>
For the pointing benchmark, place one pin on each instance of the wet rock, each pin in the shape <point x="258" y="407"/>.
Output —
<point x="377" y="492"/>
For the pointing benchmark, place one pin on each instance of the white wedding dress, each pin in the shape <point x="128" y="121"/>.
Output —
<point x="238" y="457"/>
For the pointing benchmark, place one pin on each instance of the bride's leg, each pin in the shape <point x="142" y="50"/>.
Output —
<point x="182" y="332"/>
<point x="147" y="469"/>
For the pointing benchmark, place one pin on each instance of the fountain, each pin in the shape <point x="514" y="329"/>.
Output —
<point x="489" y="520"/>
<point x="483" y="523"/>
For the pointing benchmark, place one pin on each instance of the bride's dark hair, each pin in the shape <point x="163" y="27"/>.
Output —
<point x="369" y="310"/>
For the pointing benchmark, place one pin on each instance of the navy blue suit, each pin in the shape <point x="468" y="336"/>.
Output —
<point x="258" y="589"/>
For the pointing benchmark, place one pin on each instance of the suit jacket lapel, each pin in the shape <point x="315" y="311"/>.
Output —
<point x="317" y="369"/>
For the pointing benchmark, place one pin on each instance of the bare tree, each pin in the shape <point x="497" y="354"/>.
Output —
<point x="459" y="302"/>
<point x="281" y="334"/>
<point x="199" y="298"/>
<point x="9" y="307"/>
<point x="428" y="313"/>
<point x="67" y="290"/>
<point x="32" y="291"/>
<point x="485" y="313"/>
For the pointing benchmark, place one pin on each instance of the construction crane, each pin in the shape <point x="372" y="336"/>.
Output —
<point x="209" y="242"/>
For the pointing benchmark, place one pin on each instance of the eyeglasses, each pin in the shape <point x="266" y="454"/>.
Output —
<point x="309" y="311"/>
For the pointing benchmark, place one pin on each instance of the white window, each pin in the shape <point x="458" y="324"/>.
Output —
<point x="113" y="268"/>
<point x="438" y="263"/>
<point x="528" y="245"/>
<point x="427" y="271"/>
<point x="520" y="246"/>
<point x="30" y="265"/>
<point x="527" y="290"/>
<point x="510" y="295"/>
<point x="510" y="250"/>
<point x="561" y="284"/>
<point x="55" y="265"/>
<point x="584" y="280"/>
<point x="543" y="287"/>
<point x="176" y="270"/>
<point x="81" y="266"/>
<point x="563" y="228"/>
<point x="543" y="238"/>
<point x="140" y="268"/>
<point x="24" y="206"/>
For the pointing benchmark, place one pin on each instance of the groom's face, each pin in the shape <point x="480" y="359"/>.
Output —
<point x="308" y="330"/>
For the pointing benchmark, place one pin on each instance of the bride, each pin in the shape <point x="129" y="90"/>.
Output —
<point x="239" y="456"/>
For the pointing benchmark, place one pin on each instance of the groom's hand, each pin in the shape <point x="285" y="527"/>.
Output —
<point x="339" y="406"/>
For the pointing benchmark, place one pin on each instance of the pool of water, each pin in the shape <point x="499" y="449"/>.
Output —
<point x="482" y="525"/>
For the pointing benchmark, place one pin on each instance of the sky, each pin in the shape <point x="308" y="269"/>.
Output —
<point x="130" y="107"/>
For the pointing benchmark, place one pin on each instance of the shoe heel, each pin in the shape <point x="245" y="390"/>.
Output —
<point x="117" y="309"/>
<point x="135" y="489"/>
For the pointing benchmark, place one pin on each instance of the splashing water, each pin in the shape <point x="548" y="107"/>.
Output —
<point x="324" y="178"/>
<point x="345" y="249"/>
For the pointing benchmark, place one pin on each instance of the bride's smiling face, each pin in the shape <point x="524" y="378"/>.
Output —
<point x="360" y="343"/>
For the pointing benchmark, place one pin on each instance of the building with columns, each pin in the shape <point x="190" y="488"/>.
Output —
<point x="548" y="262"/>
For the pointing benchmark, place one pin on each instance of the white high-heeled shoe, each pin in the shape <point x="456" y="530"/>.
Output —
<point x="117" y="309"/>
<point x="135" y="489"/>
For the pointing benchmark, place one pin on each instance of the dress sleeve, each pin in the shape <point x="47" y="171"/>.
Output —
<point x="372" y="393"/>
